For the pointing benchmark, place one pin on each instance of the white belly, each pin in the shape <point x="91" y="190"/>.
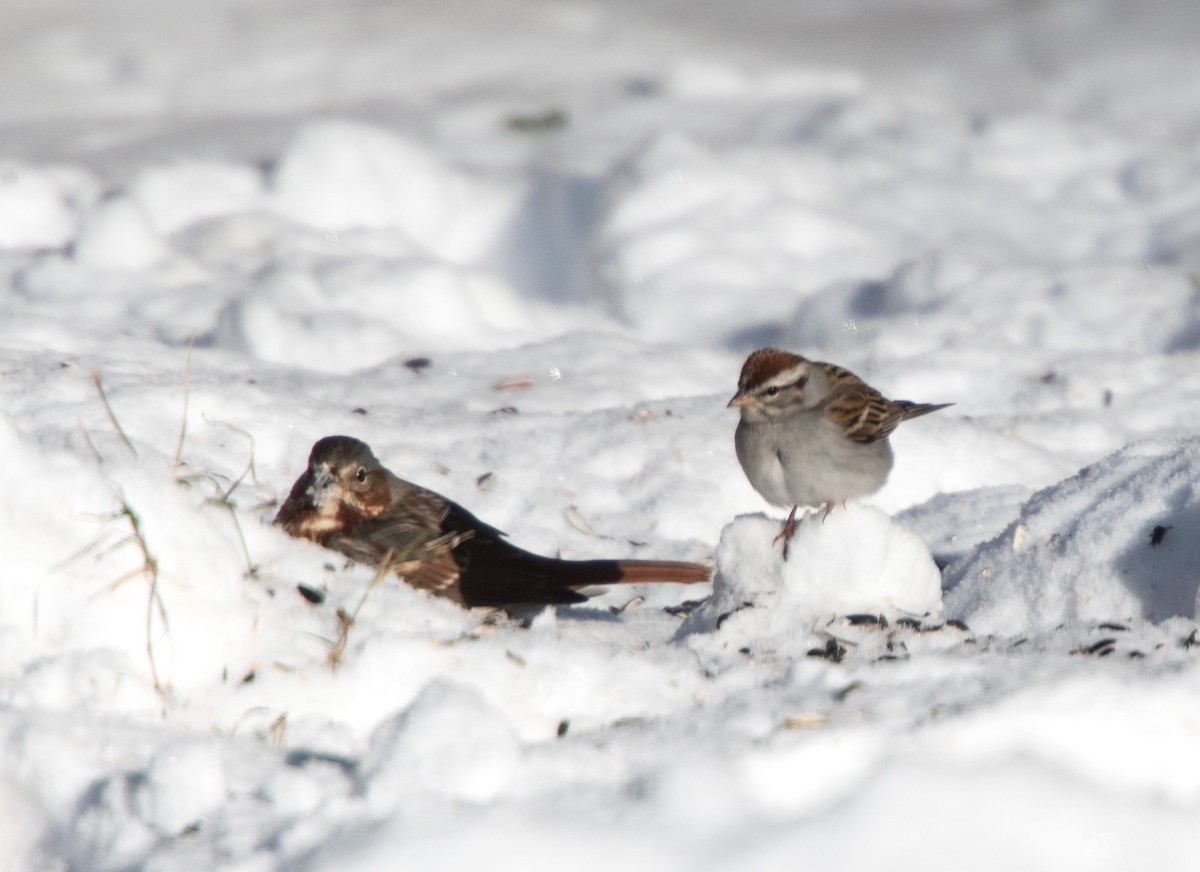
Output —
<point x="806" y="461"/>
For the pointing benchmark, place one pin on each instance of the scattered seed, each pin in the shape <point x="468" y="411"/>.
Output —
<point x="631" y="721"/>
<point x="358" y="411"/>
<point x="841" y="695"/>
<point x="641" y="414"/>
<point x="1119" y="628"/>
<point x="418" y="364"/>
<point x="958" y="625"/>
<point x="806" y="721"/>
<point x="577" y="521"/>
<point x="1100" y="649"/>
<point x="859" y="620"/>
<point x="311" y="594"/>
<point x="545" y="121"/>
<point x="722" y="618"/>
<point x="485" y="482"/>
<point x="684" y="608"/>
<point x="633" y="603"/>
<point x="563" y="726"/>
<point x="833" y="652"/>
<point x="505" y="410"/>
<point x="1158" y="534"/>
<point x="515" y="658"/>
<point x="514" y="383"/>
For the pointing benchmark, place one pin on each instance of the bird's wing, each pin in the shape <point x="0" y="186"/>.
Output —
<point x="863" y="413"/>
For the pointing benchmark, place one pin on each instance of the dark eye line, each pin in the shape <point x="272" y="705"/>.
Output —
<point x="798" y="384"/>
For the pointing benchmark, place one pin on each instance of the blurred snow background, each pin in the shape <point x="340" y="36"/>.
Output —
<point x="521" y="248"/>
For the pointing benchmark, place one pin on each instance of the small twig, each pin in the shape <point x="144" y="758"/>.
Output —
<point x="251" y="567"/>
<point x="187" y="389"/>
<point x="223" y="498"/>
<point x="87" y="437"/>
<point x="276" y="730"/>
<point x="111" y="416"/>
<point x="154" y="601"/>
<point x="250" y="470"/>
<point x="346" y="619"/>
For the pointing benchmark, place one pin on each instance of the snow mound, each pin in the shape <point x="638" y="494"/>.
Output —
<point x="183" y="192"/>
<point x="343" y="175"/>
<point x="341" y="316"/>
<point x="39" y="206"/>
<point x="1118" y="540"/>
<point x="854" y="560"/>
<point x="448" y="742"/>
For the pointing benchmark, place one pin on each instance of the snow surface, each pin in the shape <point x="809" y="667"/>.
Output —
<point x="521" y="249"/>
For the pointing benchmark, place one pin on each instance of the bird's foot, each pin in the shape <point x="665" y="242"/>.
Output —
<point x="787" y="531"/>
<point x="829" y="508"/>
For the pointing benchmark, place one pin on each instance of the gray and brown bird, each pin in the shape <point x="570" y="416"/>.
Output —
<point x="812" y="433"/>
<point x="346" y="500"/>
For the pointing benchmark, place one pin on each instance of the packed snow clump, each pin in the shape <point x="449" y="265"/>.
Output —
<point x="852" y="560"/>
<point x="1119" y="540"/>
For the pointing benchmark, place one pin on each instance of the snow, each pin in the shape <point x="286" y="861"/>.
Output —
<point x="1116" y="540"/>
<point x="522" y="249"/>
<point x="852" y="561"/>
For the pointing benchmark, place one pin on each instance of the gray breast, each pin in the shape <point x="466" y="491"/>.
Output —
<point x="808" y="461"/>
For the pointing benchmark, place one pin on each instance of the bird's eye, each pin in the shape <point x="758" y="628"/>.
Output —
<point x="772" y="391"/>
<point x="801" y="382"/>
<point x="361" y="475"/>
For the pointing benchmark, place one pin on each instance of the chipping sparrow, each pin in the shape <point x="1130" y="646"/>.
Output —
<point x="346" y="500"/>
<point x="813" y="433"/>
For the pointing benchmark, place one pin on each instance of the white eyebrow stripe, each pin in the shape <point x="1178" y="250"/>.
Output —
<point x="787" y="377"/>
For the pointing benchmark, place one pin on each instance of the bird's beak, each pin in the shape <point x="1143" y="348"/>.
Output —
<point x="739" y="400"/>
<point x="322" y="488"/>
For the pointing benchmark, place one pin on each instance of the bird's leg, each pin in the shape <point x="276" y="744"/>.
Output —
<point x="788" y="531"/>
<point x="829" y="508"/>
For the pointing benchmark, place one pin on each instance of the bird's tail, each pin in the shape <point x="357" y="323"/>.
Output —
<point x="585" y="572"/>
<point x="916" y="410"/>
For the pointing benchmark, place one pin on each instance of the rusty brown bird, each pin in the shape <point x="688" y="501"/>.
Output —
<point x="346" y="500"/>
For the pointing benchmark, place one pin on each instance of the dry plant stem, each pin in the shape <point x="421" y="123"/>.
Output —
<point x="346" y="620"/>
<point x="226" y="498"/>
<point x="87" y="437"/>
<point x="253" y="473"/>
<point x="276" y="731"/>
<point x="223" y="499"/>
<point x="251" y="568"/>
<point x="112" y="417"/>
<point x="187" y="390"/>
<point x="154" y="602"/>
<point x="224" y="495"/>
